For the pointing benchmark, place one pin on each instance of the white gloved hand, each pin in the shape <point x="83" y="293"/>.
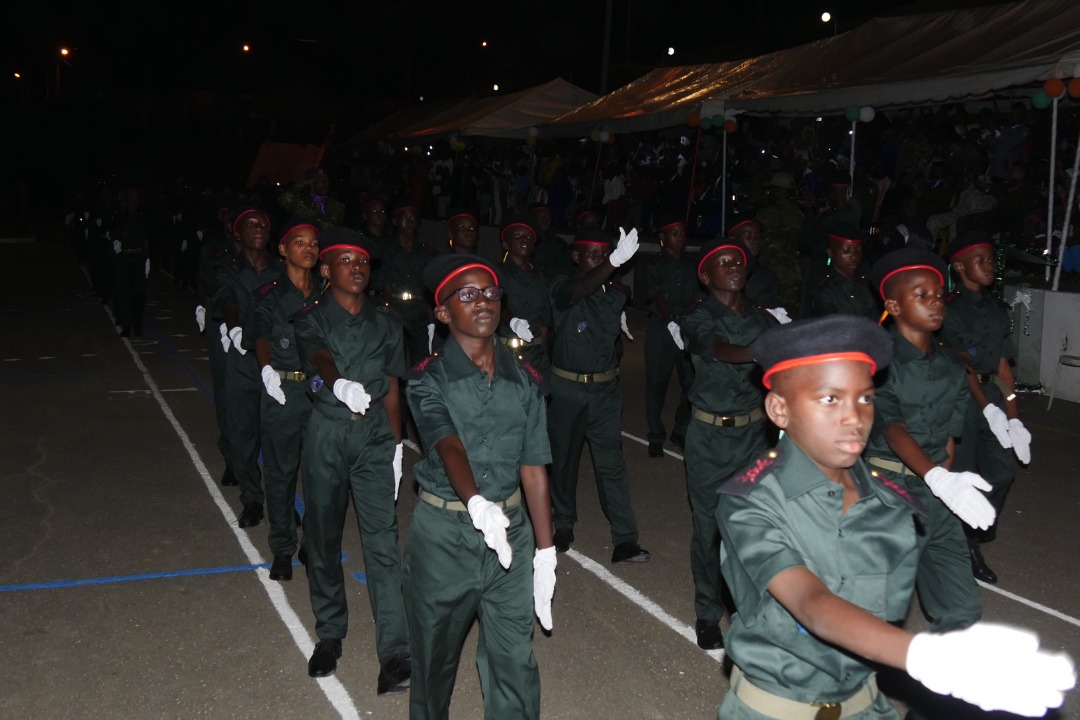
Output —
<point x="625" y="249"/>
<point x="489" y="519"/>
<point x="430" y="336"/>
<point x="676" y="334"/>
<point x="200" y="318"/>
<point x="199" y="234"/>
<point x="225" y="341"/>
<point x="960" y="493"/>
<point x="520" y="326"/>
<point x="993" y="666"/>
<point x="272" y="383"/>
<point x="544" y="562"/>
<point x="398" y="449"/>
<point x="183" y="245"/>
<point x="147" y="267"/>
<point x="352" y="394"/>
<point x="117" y="247"/>
<point x="780" y="314"/>
<point x="999" y="424"/>
<point x="237" y="336"/>
<point x="625" y="328"/>
<point x="1021" y="440"/>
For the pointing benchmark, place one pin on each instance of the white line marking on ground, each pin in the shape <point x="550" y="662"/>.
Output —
<point x="89" y="354"/>
<point x="643" y="441"/>
<point x="12" y="359"/>
<point x="1031" y="604"/>
<point x="188" y="389"/>
<point x="331" y="686"/>
<point x="47" y="357"/>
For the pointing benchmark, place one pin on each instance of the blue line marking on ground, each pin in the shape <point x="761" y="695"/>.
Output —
<point x="130" y="578"/>
<point x="171" y="350"/>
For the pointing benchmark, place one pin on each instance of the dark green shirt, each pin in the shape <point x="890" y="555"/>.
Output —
<point x="836" y="295"/>
<point x="552" y="256"/>
<point x="527" y="296"/>
<point x="586" y="331"/>
<point x="927" y="393"/>
<point x="237" y="285"/>
<point x="674" y="280"/>
<point x="366" y="347"/>
<point x="781" y="513"/>
<point x="402" y="271"/>
<point x="724" y="388"/>
<point x="273" y="321"/>
<point x="763" y="286"/>
<point x="502" y="422"/>
<point x="978" y="325"/>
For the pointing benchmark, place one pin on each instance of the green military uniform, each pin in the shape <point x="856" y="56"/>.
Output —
<point x="676" y="281"/>
<point x="282" y="425"/>
<point x="552" y="255"/>
<point x="763" y="286"/>
<point x="451" y="576"/>
<point x="237" y="285"/>
<point x="350" y="456"/>
<point x="217" y="253"/>
<point x="726" y="431"/>
<point x="326" y="212"/>
<point x="586" y="403"/>
<point x="781" y="513"/>
<point x="979" y="325"/>
<point x="930" y="396"/>
<point x="401" y="271"/>
<point x="781" y="224"/>
<point x="813" y="249"/>
<point x="838" y="294"/>
<point x="129" y="266"/>
<point x="527" y="298"/>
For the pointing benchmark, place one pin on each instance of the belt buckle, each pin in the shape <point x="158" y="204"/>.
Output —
<point x="586" y="378"/>
<point x="728" y="422"/>
<point x="827" y="711"/>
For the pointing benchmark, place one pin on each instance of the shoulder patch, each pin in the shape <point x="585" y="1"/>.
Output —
<point x="656" y="258"/>
<point x="619" y="286"/>
<point x="533" y="374"/>
<point x="417" y="371"/>
<point x="390" y="312"/>
<point x="744" y="483"/>
<point x="307" y="309"/>
<point x="896" y="489"/>
<point x="262" y="291"/>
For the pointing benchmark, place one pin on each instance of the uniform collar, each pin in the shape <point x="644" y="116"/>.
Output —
<point x="459" y="366"/>
<point x="972" y="297"/>
<point x="337" y="313"/>
<point x="904" y="351"/>
<point x="801" y="475"/>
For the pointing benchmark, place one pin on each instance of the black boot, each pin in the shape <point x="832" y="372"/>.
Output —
<point x="979" y="568"/>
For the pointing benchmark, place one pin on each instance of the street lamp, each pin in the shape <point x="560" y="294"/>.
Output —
<point x="495" y="87"/>
<point x="826" y="17"/>
<point x="483" y="43"/>
<point x="65" y="52"/>
<point x="18" y="75"/>
<point x="247" y="48"/>
<point x="670" y="51"/>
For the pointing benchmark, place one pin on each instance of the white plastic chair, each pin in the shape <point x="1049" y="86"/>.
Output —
<point x="1071" y="361"/>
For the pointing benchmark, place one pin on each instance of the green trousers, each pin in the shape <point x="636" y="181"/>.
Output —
<point x="243" y="391"/>
<point x="980" y="452"/>
<point x="713" y="454"/>
<point x="452" y="578"/>
<point x="593" y="412"/>
<point x="662" y="356"/>
<point x="282" y="437"/>
<point x="346" y="459"/>
<point x="216" y="353"/>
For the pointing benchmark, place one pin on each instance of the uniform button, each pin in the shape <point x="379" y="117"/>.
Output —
<point x="832" y="493"/>
<point x="483" y="439"/>
<point x="484" y="475"/>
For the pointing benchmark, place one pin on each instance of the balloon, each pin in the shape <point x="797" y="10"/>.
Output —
<point x="1040" y="100"/>
<point x="729" y="126"/>
<point x="693" y="119"/>
<point x="1074" y="87"/>
<point x="1054" y="87"/>
<point x="717" y="120"/>
<point x="533" y="132"/>
<point x="706" y="123"/>
<point x="852" y="113"/>
<point x="604" y="135"/>
<point x="530" y="140"/>
<point x="611" y="138"/>
<point x="594" y="136"/>
<point x="866" y="114"/>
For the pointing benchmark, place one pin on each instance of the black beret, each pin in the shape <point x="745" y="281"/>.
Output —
<point x="337" y="238"/>
<point x="403" y="205"/>
<point x="711" y="247"/>
<point x="739" y="223"/>
<point x="586" y="211"/>
<point x="592" y="236"/>
<point x="373" y="198"/>
<point x="455" y="213"/>
<point x="906" y="258"/>
<point x="667" y="219"/>
<point x="968" y="240"/>
<point x="538" y="206"/>
<point x="845" y="232"/>
<point x="519" y="220"/>
<point x="819" y="340"/>
<point x="445" y="267"/>
<point x="239" y="212"/>
<point x="294" y="223"/>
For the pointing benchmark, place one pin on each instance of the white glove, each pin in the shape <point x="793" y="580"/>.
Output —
<point x="147" y="267"/>
<point x="993" y="666"/>
<point x="780" y="314"/>
<point x="625" y="329"/>
<point x="430" y="336"/>
<point x="676" y="334"/>
<point x="117" y="246"/>
<point x="628" y="245"/>
<point x="225" y="341"/>
<point x="544" y="584"/>
<point x="272" y="383"/>
<point x="183" y="245"/>
<point x="960" y="493"/>
<point x="352" y="394"/>
<point x="1021" y="440"/>
<point x="199" y="234"/>
<point x="237" y="336"/>
<point x="489" y="519"/>
<point x="999" y="424"/>
<point x="200" y="317"/>
<point x="520" y="326"/>
<point x="398" y="449"/>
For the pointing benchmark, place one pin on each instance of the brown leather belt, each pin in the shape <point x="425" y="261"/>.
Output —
<point x="458" y="506"/>
<point x="586" y="377"/>
<point x="725" y="420"/>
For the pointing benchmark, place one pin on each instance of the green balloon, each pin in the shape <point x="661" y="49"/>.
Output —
<point x="717" y="120"/>
<point x="706" y="123"/>
<point x="1040" y="100"/>
<point x="852" y="113"/>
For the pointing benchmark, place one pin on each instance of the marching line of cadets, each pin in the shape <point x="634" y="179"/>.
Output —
<point x="873" y="491"/>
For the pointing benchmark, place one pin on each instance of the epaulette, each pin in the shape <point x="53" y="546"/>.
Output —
<point x="951" y="296"/>
<point x="534" y="375"/>
<point x="897" y="490"/>
<point x="825" y="280"/>
<point x="619" y="286"/>
<point x="743" y="483"/>
<point x="655" y="258"/>
<point x="262" y="291"/>
<point x="417" y="371"/>
<point x="390" y="312"/>
<point x="310" y="307"/>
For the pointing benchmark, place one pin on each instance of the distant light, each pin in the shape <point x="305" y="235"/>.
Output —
<point x="65" y="52"/>
<point x="430" y="147"/>
<point x="247" y="48"/>
<point x="421" y="98"/>
<point x="406" y="148"/>
<point x="670" y="50"/>
<point x="850" y="132"/>
<point x="429" y="153"/>
<point x="495" y="87"/>
<point x="819" y="120"/>
<point x="278" y="184"/>
<point x="825" y="17"/>
<point x="18" y="75"/>
<point x="483" y="44"/>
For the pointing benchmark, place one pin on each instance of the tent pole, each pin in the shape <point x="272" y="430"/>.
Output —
<point x="599" y="152"/>
<point x="723" y="187"/>
<point x="693" y="175"/>
<point x="1068" y="219"/>
<point x="851" y="169"/>
<point x="1050" y="184"/>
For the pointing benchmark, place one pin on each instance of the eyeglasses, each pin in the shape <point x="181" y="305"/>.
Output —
<point x="469" y="294"/>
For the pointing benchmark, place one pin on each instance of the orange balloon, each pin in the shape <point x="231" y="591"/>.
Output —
<point x="1074" y="88"/>
<point x="693" y="119"/>
<point x="1054" y="87"/>
<point x="729" y="126"/>
<point x="611" y="139"/>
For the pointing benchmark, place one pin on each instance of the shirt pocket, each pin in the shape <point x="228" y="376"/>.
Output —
<point x="870" y="592"/>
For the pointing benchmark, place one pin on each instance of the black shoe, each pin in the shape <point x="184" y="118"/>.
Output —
<point x="709" y="636"/>
<point x="251" y="516"/>
<point x="301" y="555"/>
<point x="228" y="479"/>
<point x="656" y="449"/>
<point x="299" y="520"/>
<point x="563" y="538"/>
<point x="979" y="568"/>
<point x="282" y="568"/>
<point x="630" y="552"/>
<point x="677" y="440"/>
<point x="125" y="332"/>
<point x="394" y="674"/>
<point x="323" y="661"/>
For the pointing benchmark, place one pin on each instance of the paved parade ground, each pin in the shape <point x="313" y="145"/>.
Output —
<point x="128" y="591"/>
